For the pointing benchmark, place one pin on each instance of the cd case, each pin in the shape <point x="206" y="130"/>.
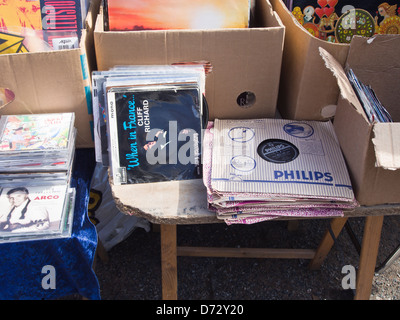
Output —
<point x="36" y="159"/>
<point x="36" y="212"/>
<point x="37" y="142"/>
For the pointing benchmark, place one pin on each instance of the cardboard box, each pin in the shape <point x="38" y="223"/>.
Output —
<point x="245" y="62"/>
<point x="53" y="81"/>
<point x="372" y="151"/>
<point x="308" y="91"/>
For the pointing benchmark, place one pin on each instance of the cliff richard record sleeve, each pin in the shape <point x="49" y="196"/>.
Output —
<point x="155" y="133"/>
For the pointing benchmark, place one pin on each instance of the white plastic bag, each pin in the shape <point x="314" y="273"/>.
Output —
<point x="112" y="225"/>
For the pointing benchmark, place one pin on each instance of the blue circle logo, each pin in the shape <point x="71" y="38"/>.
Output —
<point x="299" y="129"/>
<point x="241" y="134"/>
<point x="243" y="163"/>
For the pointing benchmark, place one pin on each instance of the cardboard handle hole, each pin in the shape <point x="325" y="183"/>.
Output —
<point x="246" y="99"/>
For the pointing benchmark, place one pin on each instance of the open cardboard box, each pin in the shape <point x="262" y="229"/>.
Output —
<point x="243" y="83"/>
<point x="53" y="81"/>
<point x="245" y="62"/>
<point x="308" y="91"/>
<point x="372" y="151"/>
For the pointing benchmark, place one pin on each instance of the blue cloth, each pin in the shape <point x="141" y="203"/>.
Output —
<point x="21" y="264"/>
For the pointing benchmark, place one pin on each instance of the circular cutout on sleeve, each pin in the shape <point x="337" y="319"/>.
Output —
<point x="277" y="151"/>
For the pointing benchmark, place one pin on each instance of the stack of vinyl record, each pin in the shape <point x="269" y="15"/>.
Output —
<point x="263" y="169"/>
<point x="148" y="122"/>
<point x="373" y="108"/>
<point x="36" y="159"/>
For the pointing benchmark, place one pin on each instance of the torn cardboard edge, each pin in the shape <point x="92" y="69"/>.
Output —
<point x="387" y="151"/>
<point x="178" y="200"/>
<point x="346" y="90"/>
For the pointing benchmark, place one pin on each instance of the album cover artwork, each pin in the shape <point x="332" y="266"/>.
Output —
<point x="167" y="14"/>
<point x="155" y="133"/>
<point x="35" y="132"/>
<point x="339" y="20"/>
<point x="32" y="210"/>
<point x="54" y="22"/>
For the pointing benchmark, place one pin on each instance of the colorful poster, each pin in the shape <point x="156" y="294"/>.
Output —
<point x="338" y="20"/>
<point x="177" y="14"/>
<point x="45" y="21"/>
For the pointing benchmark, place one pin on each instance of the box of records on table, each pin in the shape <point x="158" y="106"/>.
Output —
<point x="148" y="122"/>
<point x="36" y="159"/>
<point x="262" y="169"/>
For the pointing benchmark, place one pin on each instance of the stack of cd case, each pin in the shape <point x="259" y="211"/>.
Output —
<point x="36" y="160"/>
<point x="148" y="122"/>
<point x="262" y="169"/>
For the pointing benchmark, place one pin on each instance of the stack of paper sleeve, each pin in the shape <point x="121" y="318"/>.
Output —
<point x="262" y="169"/>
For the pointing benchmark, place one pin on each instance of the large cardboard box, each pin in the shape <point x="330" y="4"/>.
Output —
<point x="54" y="81"/>
<point x="372" y="151"/>
<point x="245" y="62"/>
<point x="308" y="91"/>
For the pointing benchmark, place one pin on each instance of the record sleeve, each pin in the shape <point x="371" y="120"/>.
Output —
<point x="58" y="23"/>
<point x="155" y="133"/>
<point x="139" y="75"/>
<point x="196" y="14"/>
<point x="282" y="158"/>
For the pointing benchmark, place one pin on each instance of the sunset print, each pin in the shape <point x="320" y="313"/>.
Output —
<point x="20" y="14"/>
<point x="177" y="14"/>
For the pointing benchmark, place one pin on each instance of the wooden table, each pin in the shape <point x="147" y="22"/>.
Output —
<point x="184" y="202"/>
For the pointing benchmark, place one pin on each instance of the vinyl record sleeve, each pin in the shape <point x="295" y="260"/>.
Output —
<point x="155" y="133"/>
<point x="163" y="15"/>
<point x="130" y="75"/>
<point x="279" y="157"/>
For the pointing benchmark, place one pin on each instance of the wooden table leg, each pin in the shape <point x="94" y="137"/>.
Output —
<point x="368" y="256"/>
<point x="327" y="242"/>
<point x="169" y="275"/>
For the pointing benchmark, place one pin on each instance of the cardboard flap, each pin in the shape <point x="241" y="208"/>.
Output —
<point x="387" y="147"/>
<point x="345" y="87"/>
